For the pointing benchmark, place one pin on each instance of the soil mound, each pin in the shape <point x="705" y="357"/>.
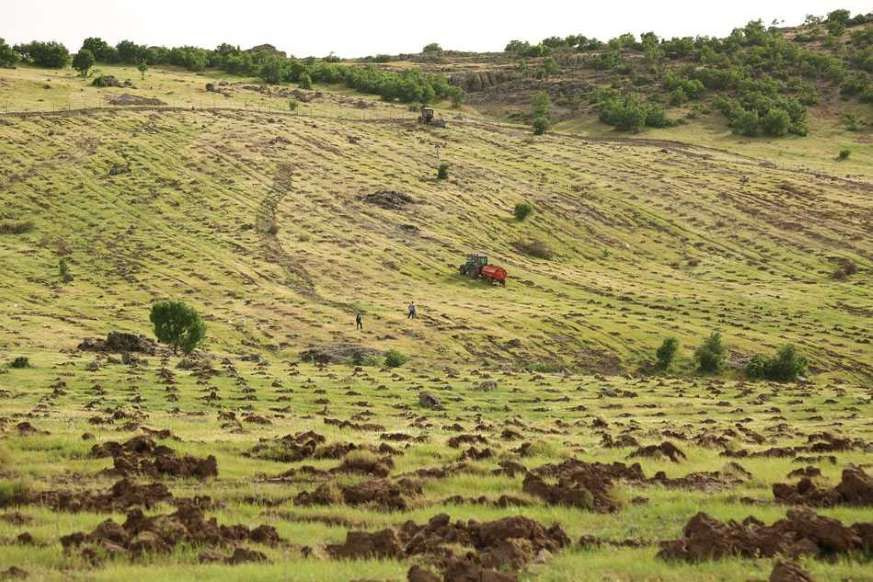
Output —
<point x="337" y="353"/>
<point x="508" y="543"/>
<point x="581" y="484"/>
<point x="665" y="449"/>
<point x="142" y="456"/>
<point x="289" y="448"/>
<point x="785" y="571"/>
<point x="140" y="535"/>
<point x="388" y="199"/>
<point x="801" y="532"/>
<point x="120" y="342"/>
<point x="123" y="495"/>
<point x="383" y="493"/>
<point x="855" y="488"/>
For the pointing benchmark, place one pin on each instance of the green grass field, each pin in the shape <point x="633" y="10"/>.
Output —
<point x="259" y="218"/>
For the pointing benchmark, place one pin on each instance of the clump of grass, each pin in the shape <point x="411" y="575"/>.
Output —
<point x="20" y="363"/>
<point x="15" y="226"/>
<point x="844" y="154"/>
<point x="12" y="493"/>
<point x="846" y="268"/>
<point x="395" y="359"/>
<point x="64" y="271"/>
<point x="710" y="355"/>
<point x="522" y="210"/>
<point x="666" y="353"/>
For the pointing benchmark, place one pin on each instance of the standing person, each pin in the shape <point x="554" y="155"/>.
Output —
<point x="359" y="321"/>
<point x="412" y="313"/>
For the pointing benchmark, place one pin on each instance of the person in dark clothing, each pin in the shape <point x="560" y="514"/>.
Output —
<point x="412" y="313"/>
<point x="359" y="321"/>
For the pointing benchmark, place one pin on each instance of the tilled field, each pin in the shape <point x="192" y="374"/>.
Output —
<point x="242" y="468"/>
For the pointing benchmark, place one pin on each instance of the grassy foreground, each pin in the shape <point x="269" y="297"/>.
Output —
<point x="264" y="221"/>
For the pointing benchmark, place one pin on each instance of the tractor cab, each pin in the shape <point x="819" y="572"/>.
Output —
<point x="473" y="267"/>
<point x="425" y="115"/>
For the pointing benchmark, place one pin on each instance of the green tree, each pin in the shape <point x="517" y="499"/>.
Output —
<point x="443" y="171"/>
<point x="83" y="61"/>
<point x="836" y="22"/>
<point x="432" y="49"/>
<point x="305" y="81"/>
<point x="710" y="355"/>
<point x="8" y="57"/>
<point x="103" y="52"/>
<point x="540" y="108"/>
<point x="541" y="105"/>
<point x="666" y="353"/>
<point x="51" y="55"/>
<point x="550" y="67"/>
<point x="177" y="325"/>
<point x="142" y="67"/>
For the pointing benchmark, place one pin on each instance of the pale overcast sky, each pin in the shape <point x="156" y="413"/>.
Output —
<point x="359" y="28"/>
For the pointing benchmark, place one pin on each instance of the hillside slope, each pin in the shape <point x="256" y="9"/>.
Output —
<point x="650" y="239"/>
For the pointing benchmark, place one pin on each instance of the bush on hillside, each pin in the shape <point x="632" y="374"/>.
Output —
<point x="785" y="366"/>
<point x="710" y="356"/>
<point x="540" y="125"/>
<point x="20" y="362"/>
<point x="395" y="359"/>
<point x="665" y="354"/>
<point x="177" y="325"/>
<point x="443" y="171"/>
<point x="844" y="154"/>
<point x="522" y="210"/>
<point x="83" y="61"/>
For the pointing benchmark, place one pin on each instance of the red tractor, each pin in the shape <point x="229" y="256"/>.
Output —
<point x="477" y="267"/>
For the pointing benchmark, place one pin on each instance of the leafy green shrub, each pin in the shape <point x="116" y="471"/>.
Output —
<point x="522" y="210"/>
<point x="776" y="122"/>
<point x="20" y="362"/>
<point x="395" y="359"/>
<point x="64" y="271"/>
<point x="443" y="171"/>
<point x="293" y="104"/>
<point x="628" y="113"/>
<point x="177" y="325"/>
<point x="83" y="61"/>
<point x="710" y="355"/>
<point x="540" y="125"/>
<point x="666" y="353"/>
<point x="305" y="81"/>
<point x="786" y="365"/>
<point x="844" y="154"/>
